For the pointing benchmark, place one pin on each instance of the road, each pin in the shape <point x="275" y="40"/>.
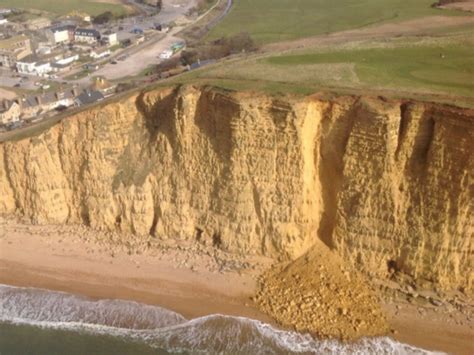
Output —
<point x="215" y="21"/>
<point x="141" y="57"/>
<point x="172" y="11"/>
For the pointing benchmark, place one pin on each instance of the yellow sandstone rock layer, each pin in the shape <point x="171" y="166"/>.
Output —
<point x="320" y="294"/>
<point x="385" y="183"/>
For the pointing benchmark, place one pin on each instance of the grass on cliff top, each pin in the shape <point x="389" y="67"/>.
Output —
<point x="282" y="20"/>
<point x="63" y="7"/>
<point x="443" y="70"/>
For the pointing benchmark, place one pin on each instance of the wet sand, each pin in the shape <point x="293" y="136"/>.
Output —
<point x="188" y="278"/>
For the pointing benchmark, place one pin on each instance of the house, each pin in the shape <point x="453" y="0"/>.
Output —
<point x="64" y="64"/>
<point x="110" y="38"/>
<point x="56" y="67"/>
<point x="13" y="49"/>
<point x="86" y="35"/>
<point x="38" y="23"/>
<point x="61" y="34"/>
<point x="89" y="97"/>
<point x="57" y="35"/>
<point x="138" y="39"/>
<point x="35" y="105"/>
<point x="3" y="21"/>
<point x="9" y="112"/>
<point x="33" y="66"/>
<point x="104" y="86"/>
<point x="100" y="53"/>
<point x="67" y="59"/>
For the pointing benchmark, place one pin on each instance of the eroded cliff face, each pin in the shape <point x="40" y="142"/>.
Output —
<point x="384" y="183"/>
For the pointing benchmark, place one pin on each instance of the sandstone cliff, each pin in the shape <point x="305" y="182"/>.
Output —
<point x="385" y="183"/>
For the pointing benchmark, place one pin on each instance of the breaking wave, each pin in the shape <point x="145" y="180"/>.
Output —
<point x="164" y="329"/>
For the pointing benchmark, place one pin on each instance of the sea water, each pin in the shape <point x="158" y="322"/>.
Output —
<point x="36" y="321"/>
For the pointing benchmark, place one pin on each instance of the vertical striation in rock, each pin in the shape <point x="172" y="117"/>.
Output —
<point x="379" y="181"/>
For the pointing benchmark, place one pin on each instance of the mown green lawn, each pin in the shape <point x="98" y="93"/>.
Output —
<point x="63" y="7"/>
<point x="278" y="20"/>
<point x="434" y="69"/>
<point x="447" y="68"/>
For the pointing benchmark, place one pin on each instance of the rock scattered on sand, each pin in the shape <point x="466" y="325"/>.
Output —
<point x="313" y="294"/>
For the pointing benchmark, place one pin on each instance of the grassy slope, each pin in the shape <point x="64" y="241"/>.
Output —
<point x="279" y="20"/>
<point x="438" y="68"/>
<point x="442" y="68"/>
<point x="63" y="7"/>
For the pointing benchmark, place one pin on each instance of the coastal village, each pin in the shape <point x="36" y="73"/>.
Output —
<point x="49" y="66"/>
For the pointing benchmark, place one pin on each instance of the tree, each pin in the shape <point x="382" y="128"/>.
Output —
<point x="103" y="18"/>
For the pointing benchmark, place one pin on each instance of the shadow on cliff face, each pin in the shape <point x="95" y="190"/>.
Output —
<point x="159" y="114"/>
<point x="335" y="132"/>
<point x="213" y="115"/>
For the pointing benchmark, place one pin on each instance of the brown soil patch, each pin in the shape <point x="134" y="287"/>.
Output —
<point x="318" y="293"/>
<point x="411" y="27"/>
<point x="466" y="5"/>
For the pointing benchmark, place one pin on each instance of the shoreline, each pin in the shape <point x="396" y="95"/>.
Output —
<point x="190" y="279"/>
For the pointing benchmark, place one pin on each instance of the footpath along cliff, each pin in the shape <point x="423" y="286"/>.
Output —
<point x="385" y="183"/>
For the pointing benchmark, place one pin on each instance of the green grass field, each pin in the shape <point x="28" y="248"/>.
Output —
<point x="279" y="20"/>
<point x="446" y="68"/>
<point x="442" y="68"/>
<point x="63" y="7"/>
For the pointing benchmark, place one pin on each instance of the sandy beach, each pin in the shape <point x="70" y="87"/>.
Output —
<point x="189" y="278"/>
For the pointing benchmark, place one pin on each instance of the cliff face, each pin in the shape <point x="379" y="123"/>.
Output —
<point x="384" y="183"/>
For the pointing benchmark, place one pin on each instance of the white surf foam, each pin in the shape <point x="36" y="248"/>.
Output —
<point x="47" y="306"/>
<point x="162" y="328"/>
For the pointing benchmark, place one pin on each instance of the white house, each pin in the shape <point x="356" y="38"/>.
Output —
<point x="100" y="53"/>
<point x="110" y="38"/>
<point x="86" y="35"/>
<point x="58" y="35"/>
<point x="3" y="21"/>
<point x="33" y="67"/>
<point x="68" y="60"/>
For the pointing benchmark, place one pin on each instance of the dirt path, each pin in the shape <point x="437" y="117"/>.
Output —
<point x="411" y="27"/>
<point x="464" y="5"/>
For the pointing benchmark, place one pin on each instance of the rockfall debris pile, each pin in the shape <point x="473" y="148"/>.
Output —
<point x="319" y="294"/>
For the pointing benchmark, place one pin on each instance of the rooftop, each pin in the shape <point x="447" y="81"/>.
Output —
<point x="63" y="28"/>
<point x="89" y="97"/>
<point x="12" y="41"/>
<point x="46" y="98"/>
<point x="87" y="32"/>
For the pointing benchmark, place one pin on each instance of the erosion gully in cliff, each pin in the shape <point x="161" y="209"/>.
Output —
<point x="386" y="185"/>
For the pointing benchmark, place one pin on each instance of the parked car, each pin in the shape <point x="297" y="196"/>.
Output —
<point x="167" y="54"/>
<point x="113" y="62"/>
